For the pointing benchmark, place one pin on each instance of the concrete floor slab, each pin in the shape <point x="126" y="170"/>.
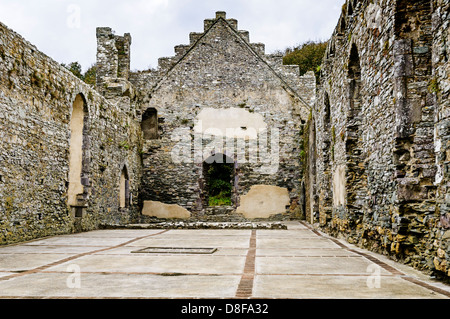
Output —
<point x="87" y="241"/>
<point x="314" y="265"/>
<point x="126" y="250"/>
<point x="207" y="232"/>
<point x="293" y="263"/>
<point x="60" y="285"/>
<point x="24" y="262"/>
<point x="304" y="252"/>
<point x="48" y="249"/>
<point x="281" y="233"/>
<point x="195" y="242"/>
<point x="117" y="233"/>
<point x="149" y="263"/>
<point x="338" y="287"/>
<point x="298" y="243"/>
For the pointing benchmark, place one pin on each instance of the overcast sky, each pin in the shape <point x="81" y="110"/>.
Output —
<point x="65" y="29"/>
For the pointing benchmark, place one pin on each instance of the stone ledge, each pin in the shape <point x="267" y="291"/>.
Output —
<point x="200" y="225"/>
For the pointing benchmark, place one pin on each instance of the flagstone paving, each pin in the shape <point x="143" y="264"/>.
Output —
<point x="295" y="263"/>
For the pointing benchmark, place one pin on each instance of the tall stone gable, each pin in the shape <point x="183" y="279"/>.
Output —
<point x="223" y="84"/>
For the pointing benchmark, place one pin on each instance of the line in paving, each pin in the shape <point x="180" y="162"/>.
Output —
<point x="245" y="288"/>
<point x="384" y="265"/>
<point x="56" y="263"/>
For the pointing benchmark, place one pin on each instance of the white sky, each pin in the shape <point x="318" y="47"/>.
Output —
<point x="65" y="29"/>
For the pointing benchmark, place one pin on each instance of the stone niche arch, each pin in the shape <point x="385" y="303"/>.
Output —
<point x="356" y="180"/>
<point x="149" y="124"/>
<point x="342" y="25"/>
<point x="326" y="193"/>
<point x="326" y="110"/>
<point x="354" y="77"/>
<point x="77" y="179"/>
<point x="350" y="8"/>
<point x="124" y="188"/>
<point x="312" y="209"/>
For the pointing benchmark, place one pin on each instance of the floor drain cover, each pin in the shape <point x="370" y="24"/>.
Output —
<point x="175" y="250"/>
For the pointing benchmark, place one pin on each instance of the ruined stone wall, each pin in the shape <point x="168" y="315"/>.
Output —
<point x="382" y="93"/>
<point x="222" y="80"/>
<point x="440" y="86"/>
<point x="36" y="100"/>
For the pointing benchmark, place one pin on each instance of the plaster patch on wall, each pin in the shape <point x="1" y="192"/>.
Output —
<point x="230" y="122"/>
<point x="76" y="151"/>
<point x="339" y="186"/>
<point x="161" y="210"/>
<point x="263" y="201"/>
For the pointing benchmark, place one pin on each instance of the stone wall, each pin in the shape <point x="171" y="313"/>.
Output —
<point x="440" y="86"/>
<point x="37" y="96"/>
<point x="221" y="80"/>
<point x="381" y="132"/>
<point x="365" y="155"/>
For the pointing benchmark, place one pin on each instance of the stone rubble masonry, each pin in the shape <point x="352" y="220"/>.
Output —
<point x="113" y="55"/>
<point x="36" y="100"/>
<point x="221" y="73"/>
<point x="120" y="171"/>
<point x="364" y="153"/>
<point x="379" y="135"/>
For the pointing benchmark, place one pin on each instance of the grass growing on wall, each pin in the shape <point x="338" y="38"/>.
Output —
<point x="223" y="199"/>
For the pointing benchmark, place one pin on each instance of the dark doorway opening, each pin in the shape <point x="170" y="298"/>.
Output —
<point x="149" y="124"/>
<point x="218" y="172"/>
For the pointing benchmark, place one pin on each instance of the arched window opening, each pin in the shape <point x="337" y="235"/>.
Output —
<point x="354" y="67"/>
<point x="312" y="178"/>
<point x="331" y="50"/>
<point x="356" y="179"/>
<point x="350" y="9"/>
<point x="325" y="194"/>
<point x="76" y="189"/>
<point x="124" y="189"/>
<point x="149" y="124"/>
<point x="342" y="26"/>
<point x="327" y="110"/>
<point x="354" y="75"/>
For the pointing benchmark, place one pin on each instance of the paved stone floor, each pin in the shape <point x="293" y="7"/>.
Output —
<point x="293" y="263"/>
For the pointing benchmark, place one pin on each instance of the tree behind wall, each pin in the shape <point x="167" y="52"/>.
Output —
<point x="88" y="77"/>
<point x="308" y="56"/>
